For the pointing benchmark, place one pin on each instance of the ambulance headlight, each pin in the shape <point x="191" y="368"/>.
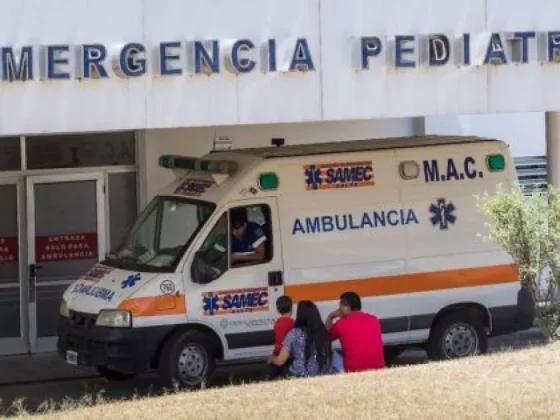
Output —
<point x="63" y="310"/>
<point x="114" y="318"/>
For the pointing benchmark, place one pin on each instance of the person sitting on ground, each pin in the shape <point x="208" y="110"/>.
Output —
<point x="248" y="238"/>
<point x="282" y="326"/>
<point x="307" y="343"/>
<point x="359" y="333"/>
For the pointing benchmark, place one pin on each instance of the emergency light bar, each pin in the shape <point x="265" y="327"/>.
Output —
<point x="196" y="164"/>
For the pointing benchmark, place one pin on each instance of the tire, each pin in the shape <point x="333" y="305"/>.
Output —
<point x="114" y="375"/>
<point x="392" y="352"/>
<point x="184" y="351"/>
<point x="457" y="335"/>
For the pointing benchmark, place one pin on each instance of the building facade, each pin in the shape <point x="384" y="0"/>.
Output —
<point x="91" y="94"/>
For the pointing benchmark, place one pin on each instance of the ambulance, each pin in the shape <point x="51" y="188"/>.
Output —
<point x="394" y="220"/>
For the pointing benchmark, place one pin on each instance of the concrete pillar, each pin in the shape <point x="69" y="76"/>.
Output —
<point x="141" y="173"/>
<point x="553" y="148"/>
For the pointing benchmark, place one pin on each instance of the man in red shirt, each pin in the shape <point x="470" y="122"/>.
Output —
<point x="359" y="333"/>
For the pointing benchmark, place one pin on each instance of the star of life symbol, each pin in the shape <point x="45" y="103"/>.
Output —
<point x="131" y="281"/>
<point x="442" y="214"/>
<point x="210" y="304"/>
<point x="313" y="177"/>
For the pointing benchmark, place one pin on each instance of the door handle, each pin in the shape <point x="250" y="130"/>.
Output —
<point x="275" y="278"/>
<point x="32" y="280"/>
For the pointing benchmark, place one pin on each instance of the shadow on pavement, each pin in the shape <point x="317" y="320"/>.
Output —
<point x="59" y="395"/>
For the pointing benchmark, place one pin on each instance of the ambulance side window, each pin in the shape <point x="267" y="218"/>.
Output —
<point x="250" y="235"/>
<point x="241" y="237"/>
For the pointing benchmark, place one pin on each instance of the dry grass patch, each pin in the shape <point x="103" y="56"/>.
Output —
<point x="512" y="385"/>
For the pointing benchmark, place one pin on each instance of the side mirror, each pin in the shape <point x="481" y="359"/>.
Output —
<point x="201" y="271"/>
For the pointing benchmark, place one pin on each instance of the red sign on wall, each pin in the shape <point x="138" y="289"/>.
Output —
<point x="75" y="246"/>
<point x="8" y="249"/>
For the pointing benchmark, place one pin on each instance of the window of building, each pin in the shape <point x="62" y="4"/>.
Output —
<point x="10" y="154"/>
<point x="80" y="150"/>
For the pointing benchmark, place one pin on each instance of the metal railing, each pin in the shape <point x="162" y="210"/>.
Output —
<point x="532" y="173"/>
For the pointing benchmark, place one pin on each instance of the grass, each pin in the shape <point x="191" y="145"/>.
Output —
<point x="521" y="384"/>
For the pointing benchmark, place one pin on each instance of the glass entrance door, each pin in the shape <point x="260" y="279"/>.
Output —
<point x="13" y="292"/>
<point x="66" y="236"/>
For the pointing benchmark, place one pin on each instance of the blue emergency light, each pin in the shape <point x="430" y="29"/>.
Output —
<point x="196" y="164"/>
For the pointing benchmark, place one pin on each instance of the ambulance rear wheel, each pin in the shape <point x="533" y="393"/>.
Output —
<point x="187" y="360"/>
<point x="457" y="335"/>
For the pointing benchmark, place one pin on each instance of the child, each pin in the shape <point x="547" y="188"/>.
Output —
<point x="282" y="326"/>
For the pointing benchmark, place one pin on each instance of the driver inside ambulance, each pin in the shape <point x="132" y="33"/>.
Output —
<point x="248" y="238"/>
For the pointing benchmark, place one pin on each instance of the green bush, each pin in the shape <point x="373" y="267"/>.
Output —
<point x="528" y="229"/>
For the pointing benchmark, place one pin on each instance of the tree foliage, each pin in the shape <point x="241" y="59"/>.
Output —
<point x="527" y="227"/>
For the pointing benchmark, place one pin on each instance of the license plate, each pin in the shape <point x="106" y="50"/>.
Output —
<point x="71" y="357"/>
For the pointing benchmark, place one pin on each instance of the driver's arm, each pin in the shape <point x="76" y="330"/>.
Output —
<point x="258" y="255"/>
<point x="258" y="241"/>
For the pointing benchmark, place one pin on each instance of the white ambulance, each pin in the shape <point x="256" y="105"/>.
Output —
<point x="394" y="220"/>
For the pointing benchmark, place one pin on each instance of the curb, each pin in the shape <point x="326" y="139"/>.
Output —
<point x="48" y="381"/>
<point x="534" y="332"/>
<point x="45" y="381"/>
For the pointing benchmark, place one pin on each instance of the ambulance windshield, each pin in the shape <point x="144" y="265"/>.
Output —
<point x="161" y="234"/>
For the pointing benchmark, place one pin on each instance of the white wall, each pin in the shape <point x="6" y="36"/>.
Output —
<point x="333" y="91"/>
<point x="198" y="141"/>
<point x="524" y="132"/>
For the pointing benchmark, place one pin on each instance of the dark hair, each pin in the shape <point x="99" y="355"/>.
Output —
<point x="238" y="217"/>
<point x="308" y="319"/>
<point x="352" y="300"/>
<point x="284" y="304"/>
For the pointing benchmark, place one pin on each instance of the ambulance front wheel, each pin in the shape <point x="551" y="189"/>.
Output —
<point x="187" y="360"/>
<point x="457" y="335"/>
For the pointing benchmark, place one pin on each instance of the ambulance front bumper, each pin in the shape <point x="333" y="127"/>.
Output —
<point x="130" y="350"/>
